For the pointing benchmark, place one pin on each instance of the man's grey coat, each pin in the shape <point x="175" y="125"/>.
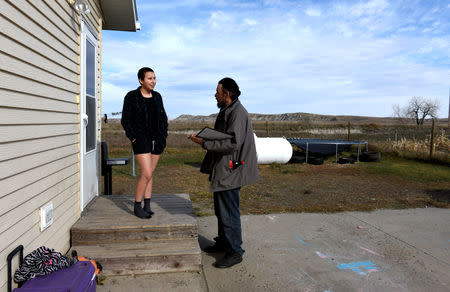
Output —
<point x="233" y="120"/>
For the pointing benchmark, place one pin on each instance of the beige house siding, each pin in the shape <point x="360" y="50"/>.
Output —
<point x="40" y="122"/>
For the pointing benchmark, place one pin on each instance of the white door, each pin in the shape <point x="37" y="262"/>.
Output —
<point x="88" y="106"/>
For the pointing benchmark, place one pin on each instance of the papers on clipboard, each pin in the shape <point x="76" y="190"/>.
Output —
<point x="211" y="134"/>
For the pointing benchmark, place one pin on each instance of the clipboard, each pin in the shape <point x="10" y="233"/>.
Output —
<point x="211" y="134"/>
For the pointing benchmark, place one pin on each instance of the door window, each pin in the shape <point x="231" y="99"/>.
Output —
<point x="90" y="96"/>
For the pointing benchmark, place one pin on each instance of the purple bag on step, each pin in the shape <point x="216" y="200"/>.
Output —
<point x="78" y="278"/>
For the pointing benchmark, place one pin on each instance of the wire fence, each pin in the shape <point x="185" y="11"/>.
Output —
<point x="413" y="141"/>
<point x="407" y="140"/>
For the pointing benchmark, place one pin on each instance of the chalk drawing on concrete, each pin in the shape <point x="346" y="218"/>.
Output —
<point x="321" y="255"/>
<point x="371" y="251"/>
<point x="361" y="268"/>
<point x="300" y="240"/>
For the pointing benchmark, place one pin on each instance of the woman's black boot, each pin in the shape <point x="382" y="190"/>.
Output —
<point x="139" y="212"/>
<point x="147" y="206"/>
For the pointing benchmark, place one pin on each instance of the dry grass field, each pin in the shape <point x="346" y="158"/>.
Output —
<point x="400" y="180"/>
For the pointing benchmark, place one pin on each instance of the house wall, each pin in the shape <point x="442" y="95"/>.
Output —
<point x="40" y="122"/>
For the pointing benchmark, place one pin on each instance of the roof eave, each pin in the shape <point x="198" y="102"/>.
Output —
<point x="120" y="15"/>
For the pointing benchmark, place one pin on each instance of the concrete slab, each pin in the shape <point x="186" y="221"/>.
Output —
<point x="385" y="250"/>
<point x="428" y="230"/>
<point x="388" y="250"/>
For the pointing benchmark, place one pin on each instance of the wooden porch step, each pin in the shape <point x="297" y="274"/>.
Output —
<point x="109" y="233"/>
<point x="159" y="256"/>
<point x="110" y="219"/>
<point x="132" y="234"/>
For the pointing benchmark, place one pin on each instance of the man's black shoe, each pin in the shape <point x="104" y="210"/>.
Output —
<point x="215" y="248"/>
<point x="230" y="259"/>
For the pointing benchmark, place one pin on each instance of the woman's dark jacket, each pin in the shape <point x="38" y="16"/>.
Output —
<point x="135" y="117"/>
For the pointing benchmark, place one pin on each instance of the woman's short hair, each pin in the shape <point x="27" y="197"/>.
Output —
<point x="231" y="86"/>
<point x="142" y="71"/>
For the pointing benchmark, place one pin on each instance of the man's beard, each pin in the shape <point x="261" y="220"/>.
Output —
<point x="221" y="105"/>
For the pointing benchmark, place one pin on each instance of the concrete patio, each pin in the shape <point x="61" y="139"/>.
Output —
<point x="385" y="250"/>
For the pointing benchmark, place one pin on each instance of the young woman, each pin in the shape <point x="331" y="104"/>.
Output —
<point x="145" y="123"/>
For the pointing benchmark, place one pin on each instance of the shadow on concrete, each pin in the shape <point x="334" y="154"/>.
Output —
<point x="204" y="242"/>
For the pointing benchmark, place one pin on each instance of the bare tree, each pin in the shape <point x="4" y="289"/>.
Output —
<point x="400" y="114"/>
<point x="418" y="109"/>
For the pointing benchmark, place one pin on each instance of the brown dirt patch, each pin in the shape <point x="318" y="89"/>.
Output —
<point x="300" y="188"/>
<point x="334" y="187"/>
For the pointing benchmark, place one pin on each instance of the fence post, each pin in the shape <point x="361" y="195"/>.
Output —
<point x="396" y="140"/>
<point x="348" y="131"/>
<point x="133" y="172"/>
<point x="433" y="129"/>
<point x="267" y="129"/>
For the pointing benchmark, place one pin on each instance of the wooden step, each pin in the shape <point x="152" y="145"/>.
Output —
<point x="132" y="234"/>
<point x="109" y="233"/>
<point x="158" y="256"/>
<point x="110" y="219"/>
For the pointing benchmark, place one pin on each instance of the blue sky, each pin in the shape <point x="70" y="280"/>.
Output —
<point x="322" y="57"/>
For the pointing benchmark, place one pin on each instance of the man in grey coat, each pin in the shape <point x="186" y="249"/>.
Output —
<point x="231" y="163"/>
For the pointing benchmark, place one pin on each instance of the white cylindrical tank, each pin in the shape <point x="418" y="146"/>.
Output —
<point x="270" y="150"/>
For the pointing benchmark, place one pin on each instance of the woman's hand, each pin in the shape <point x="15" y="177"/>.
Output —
<point x="196" y="139"/>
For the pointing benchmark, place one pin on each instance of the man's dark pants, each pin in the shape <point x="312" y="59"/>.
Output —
<point x="226" y="208"/>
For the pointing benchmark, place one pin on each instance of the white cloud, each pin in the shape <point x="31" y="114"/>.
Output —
<point x="407" y="29"/>
<point x="112" y="97"/>
<point x="272" y="2"/>
<point x="147" y="6"/>
<point x="313" y="12"/>
<point x="251" y="22"/>
<point x="219" y="19"/>
<point x="425" y="50"/>
<point x="441" y="42"/>
<point x="372" y="7"/>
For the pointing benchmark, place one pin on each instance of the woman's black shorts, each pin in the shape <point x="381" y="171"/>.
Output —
<point x="141" y="146"/>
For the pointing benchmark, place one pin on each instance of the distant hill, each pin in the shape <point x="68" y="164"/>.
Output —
<point x="297" y="117"/>
<point x="300" y="117"/>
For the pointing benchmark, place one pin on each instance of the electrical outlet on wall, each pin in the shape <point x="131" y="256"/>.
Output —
<point x="46" y="215"/>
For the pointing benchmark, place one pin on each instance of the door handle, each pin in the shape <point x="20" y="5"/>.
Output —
<point x="85" y="118"/>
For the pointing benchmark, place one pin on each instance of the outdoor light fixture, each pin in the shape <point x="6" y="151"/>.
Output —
<point x="81" y="6"/>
